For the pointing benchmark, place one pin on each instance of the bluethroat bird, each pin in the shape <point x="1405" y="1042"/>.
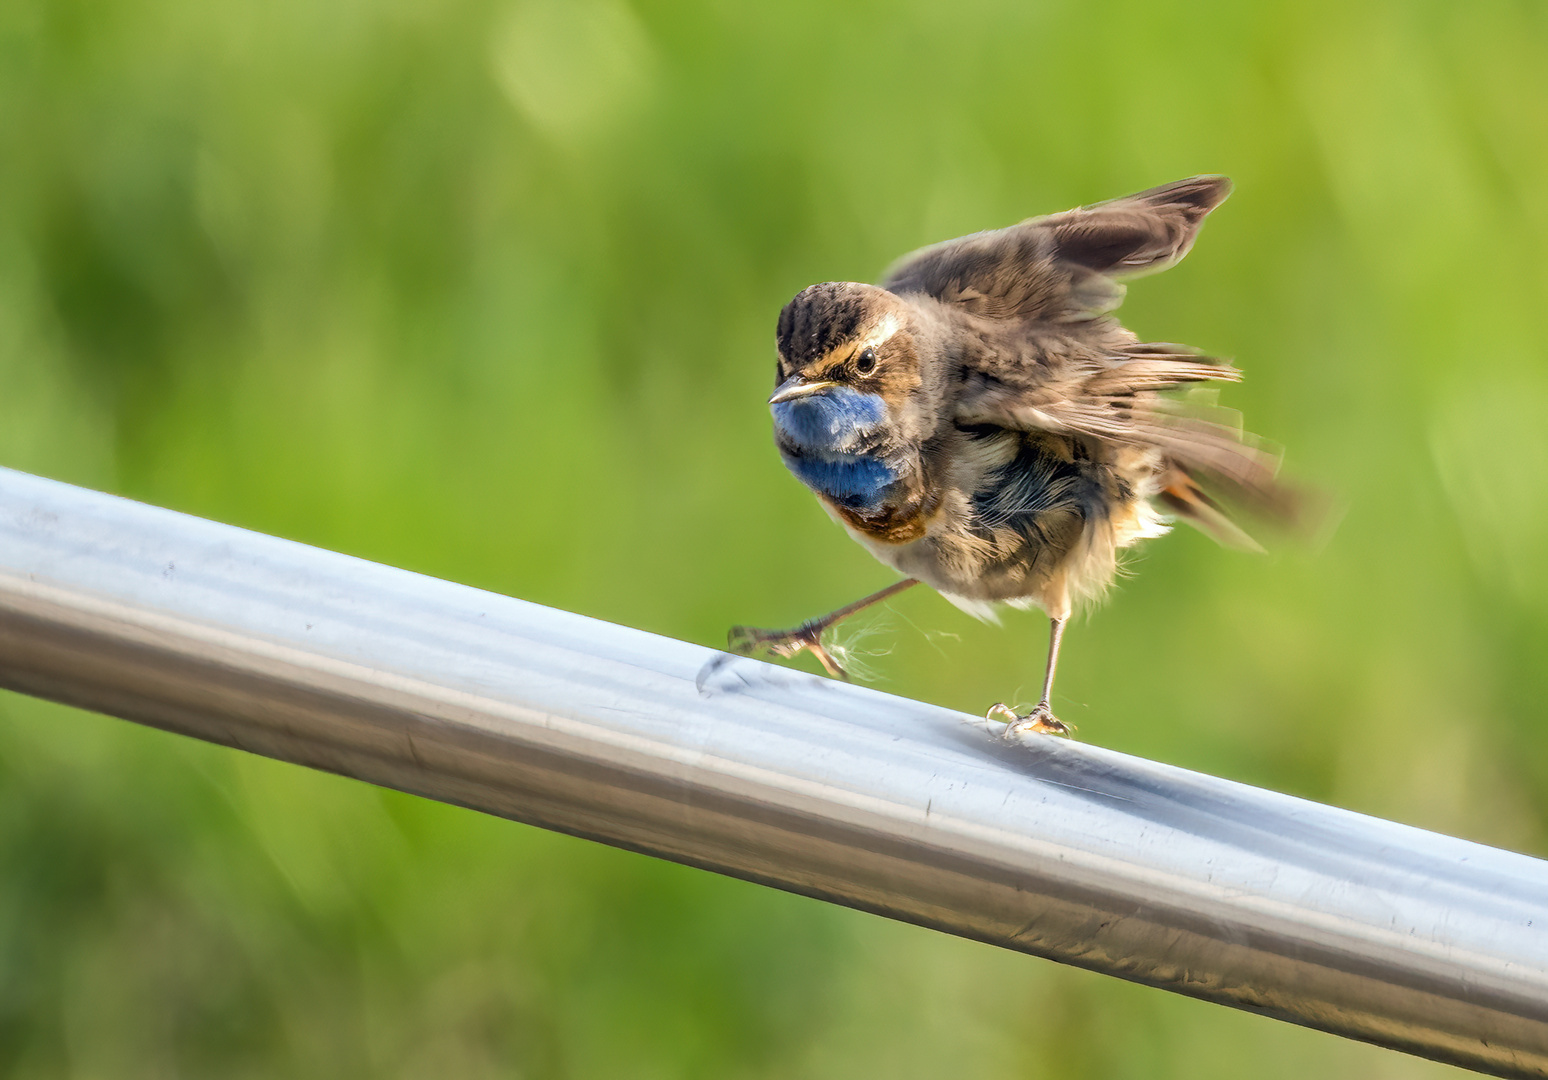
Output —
<point x="981" y="423"/>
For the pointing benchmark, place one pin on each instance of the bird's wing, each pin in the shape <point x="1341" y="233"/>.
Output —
<point x="1211" y="470"/>
<point x="1064" y="266"/>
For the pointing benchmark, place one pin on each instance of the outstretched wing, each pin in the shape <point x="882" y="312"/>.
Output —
<point x="1064" y="266"/>
<point x="1211" y="469"/>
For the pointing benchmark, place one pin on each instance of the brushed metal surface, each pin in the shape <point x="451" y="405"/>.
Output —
<point x="1245" y="897"/>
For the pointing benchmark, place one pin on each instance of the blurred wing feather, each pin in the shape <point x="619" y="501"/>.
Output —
<point x="1209" y="463"/>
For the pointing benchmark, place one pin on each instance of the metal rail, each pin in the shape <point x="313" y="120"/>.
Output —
<point x="1303" y="912"/>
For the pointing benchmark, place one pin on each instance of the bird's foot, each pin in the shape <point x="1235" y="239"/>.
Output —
<point x="807" y="637"/>
<point x="1040" y="720"/>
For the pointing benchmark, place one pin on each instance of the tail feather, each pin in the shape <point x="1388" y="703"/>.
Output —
<point x="1183" y="496"/>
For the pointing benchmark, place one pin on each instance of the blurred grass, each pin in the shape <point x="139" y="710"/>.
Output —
<point x="488" y="291"/>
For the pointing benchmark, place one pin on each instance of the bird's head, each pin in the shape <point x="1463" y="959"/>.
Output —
<point x="847" y="360"/>
<point x="849" y="382"/>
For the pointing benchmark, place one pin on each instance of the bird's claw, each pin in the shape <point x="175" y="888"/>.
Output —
<point x="1040" y="721"/>
<point x="746" y="640"/>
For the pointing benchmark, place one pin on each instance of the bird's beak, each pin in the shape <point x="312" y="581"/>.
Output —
<point x="795" y="387"/>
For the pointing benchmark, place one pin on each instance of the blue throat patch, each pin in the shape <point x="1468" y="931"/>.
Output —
<point x="832" y="421"/>
<point x="817" y="437"/>
<point x="854" y="481"/>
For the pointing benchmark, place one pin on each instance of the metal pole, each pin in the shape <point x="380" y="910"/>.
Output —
<point x="1245" y="897"/>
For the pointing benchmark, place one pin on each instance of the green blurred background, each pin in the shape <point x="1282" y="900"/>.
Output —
<point x="487" y="290"/>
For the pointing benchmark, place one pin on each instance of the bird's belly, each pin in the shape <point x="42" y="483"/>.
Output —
<point x="975" y="568"/>
<point x="1033" y="532"/>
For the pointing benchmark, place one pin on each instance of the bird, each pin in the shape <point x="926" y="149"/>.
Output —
<point x="982" y="423"/>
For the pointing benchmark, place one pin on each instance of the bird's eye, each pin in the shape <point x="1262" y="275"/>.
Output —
<point x="865" y="363"/>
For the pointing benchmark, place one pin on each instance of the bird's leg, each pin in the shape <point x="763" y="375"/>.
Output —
<point x="1041" y="719"/>
<point x="808" y="636"/>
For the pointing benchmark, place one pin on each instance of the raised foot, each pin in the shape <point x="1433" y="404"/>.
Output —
<point x="1040" y="720"/>
<point x="747" y="640"/>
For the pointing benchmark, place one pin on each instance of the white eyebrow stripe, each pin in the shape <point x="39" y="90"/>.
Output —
<point x="885" y="329"/>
